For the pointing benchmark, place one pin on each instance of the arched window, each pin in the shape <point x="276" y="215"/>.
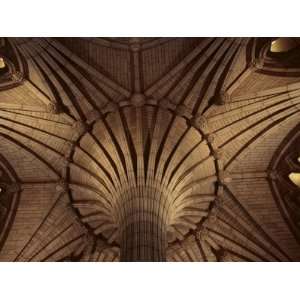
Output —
<point x="295" y="177"/>
<point x="2" y="63"/>
<point x="286" y="180"/>
<point x="284" y="44"/>
<point x="3" y="66"/>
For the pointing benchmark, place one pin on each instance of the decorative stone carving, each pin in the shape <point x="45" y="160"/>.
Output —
<point x="65" y="161"/>
<point x="17" y="77"/>
<point x="61" y="186"/>
<point x="93" y="115"/>
<point x="210" y="138"/>
<point x="80" y="127"/>
<point x="135" y="45"/>
<point x="224" y="177"/>
<point x="124" y="103"/>
<point x="256" y="64"/>
<point x="221" y="98"/>
<point x="199" y="122"/>
<point x="110" y="107"/>
<point x="202" y="234"/>
<point x="138" y="100"/>
<point x="53" y="108"/>
<point x="151" y="101"/>
<point x="69" y="148"/>
<point x="218" y="153"/>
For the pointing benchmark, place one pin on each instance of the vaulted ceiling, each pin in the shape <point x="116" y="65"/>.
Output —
<point x="208" y="124"/>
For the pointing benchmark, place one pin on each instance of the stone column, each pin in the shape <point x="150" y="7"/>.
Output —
<point x="143" y="227"/>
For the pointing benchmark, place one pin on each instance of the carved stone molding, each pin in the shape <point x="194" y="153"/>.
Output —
<point x="218" y="154"/>
<point x="211" y="138"/>
<point x="110" y="107"/>
<point x="224" y="177"/>
<point x="138" y="100"/>
<point x="53" y="108"/>
<point x="135" y="44"/>
<point x="256" y="64"/>
<point x="200" y="122"/>
<point x="93" y="116"/>
<point x="80" y="128"/>
<point x="61" y="186"/>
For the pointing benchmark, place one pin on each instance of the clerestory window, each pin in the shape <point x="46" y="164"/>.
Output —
<point x="284" y="44"/>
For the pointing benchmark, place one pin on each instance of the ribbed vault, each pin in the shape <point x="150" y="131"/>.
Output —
<point x="145" y="149"/>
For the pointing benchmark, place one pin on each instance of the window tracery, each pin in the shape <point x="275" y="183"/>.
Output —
<point x="287" y="182"/>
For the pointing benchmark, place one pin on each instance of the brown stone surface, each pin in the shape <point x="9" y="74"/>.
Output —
<point x="146" y="149"/>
